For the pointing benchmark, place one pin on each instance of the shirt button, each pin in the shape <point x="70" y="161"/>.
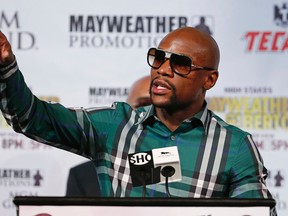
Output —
<point x="172" y="138"/>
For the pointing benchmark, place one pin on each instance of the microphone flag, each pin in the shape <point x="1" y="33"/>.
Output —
<point x="142" y="170"/>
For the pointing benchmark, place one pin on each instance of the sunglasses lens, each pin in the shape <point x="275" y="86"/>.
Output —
<point x="180" y="64"/>
<point x="155" y="58"/>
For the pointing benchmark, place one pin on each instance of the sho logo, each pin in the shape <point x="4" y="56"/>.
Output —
<point x="281" y="15"/>
<point x="140" y="158"/>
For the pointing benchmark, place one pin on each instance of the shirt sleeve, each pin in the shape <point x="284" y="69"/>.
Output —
<point x="45" y="122"/>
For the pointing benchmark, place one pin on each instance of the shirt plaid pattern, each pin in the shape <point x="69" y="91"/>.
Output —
<point x="217" y="159"/>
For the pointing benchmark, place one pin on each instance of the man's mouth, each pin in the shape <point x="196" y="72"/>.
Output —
<point x="161" y="84"/>
<point x="160" y="87"/>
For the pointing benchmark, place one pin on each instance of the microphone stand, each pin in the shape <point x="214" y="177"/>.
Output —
<point x="144" y="175"/>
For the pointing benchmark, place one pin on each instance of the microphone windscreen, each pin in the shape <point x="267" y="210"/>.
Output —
<point x="142" y="170"/>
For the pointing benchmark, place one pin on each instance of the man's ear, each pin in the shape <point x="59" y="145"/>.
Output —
<point x="211" y="79"/>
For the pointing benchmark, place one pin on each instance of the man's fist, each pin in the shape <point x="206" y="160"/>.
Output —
<point x="6" y="54"/>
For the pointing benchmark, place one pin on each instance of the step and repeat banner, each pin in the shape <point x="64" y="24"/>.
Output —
<point x="88" y="53"/>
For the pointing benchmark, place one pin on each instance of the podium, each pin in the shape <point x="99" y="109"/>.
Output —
<point x="94" y="206"/>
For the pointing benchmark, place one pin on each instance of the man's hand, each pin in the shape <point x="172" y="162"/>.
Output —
<point x="6" y="54"/>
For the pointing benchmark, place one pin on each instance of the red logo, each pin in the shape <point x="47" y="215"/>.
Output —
<point x="267" y="41"/>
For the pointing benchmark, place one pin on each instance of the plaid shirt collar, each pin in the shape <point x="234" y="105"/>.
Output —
<point x="203" y="116"/>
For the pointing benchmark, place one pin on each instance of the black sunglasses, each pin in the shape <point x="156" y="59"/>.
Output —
<point x="179" y="64"/>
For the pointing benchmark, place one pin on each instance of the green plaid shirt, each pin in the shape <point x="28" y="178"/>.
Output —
<point x="217" y="159"/>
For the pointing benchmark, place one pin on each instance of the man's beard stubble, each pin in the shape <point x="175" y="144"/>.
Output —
<point x="171" y="103"/>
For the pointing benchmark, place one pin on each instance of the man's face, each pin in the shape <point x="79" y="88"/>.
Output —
<point x="173" y="91"/>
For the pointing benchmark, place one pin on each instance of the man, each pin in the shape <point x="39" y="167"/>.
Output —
<point x="83" y="179"/>
<point x="217" y="159"/>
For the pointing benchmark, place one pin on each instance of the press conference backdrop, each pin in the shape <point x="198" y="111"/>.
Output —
<point x="87" y="53"/>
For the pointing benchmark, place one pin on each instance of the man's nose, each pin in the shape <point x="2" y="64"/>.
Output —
<point x="166" y="69"/>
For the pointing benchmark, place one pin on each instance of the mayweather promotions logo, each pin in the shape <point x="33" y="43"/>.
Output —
<point x="104" y="31"/>
<point x="19" y="182"/>
<point x="20" y="178"/>
<point x="107" y="95"/>
<point x="20" y="39"/>
<point x="129" y="31"/>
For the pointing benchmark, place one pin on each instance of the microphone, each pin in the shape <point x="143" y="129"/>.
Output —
<point x="161" y="165"/>
<point x="168" y="160"/>
<point x="167" y="172"/>
<point x="142" y="170"/>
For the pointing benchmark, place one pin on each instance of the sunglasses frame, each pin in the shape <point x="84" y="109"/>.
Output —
<point x="168" y="56"/>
